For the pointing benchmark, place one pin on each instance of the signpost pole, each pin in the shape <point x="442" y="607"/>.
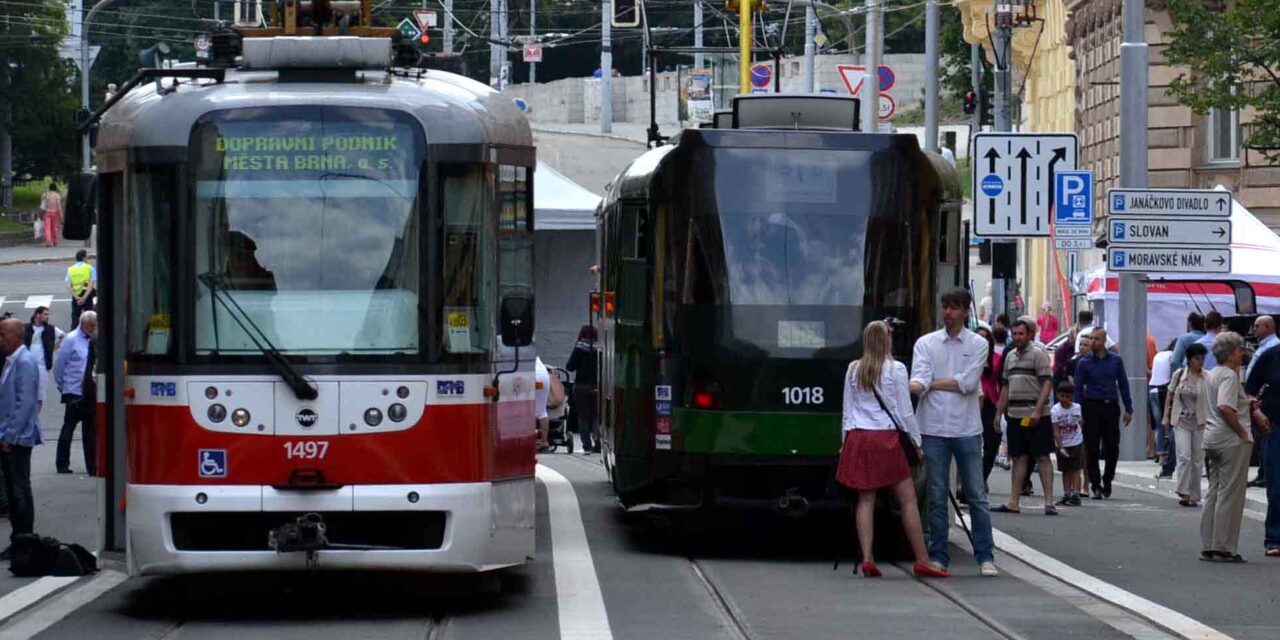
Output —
<point x="606" y="68"/>
<point x="931" y="76"/>
<point x="1000" y="287"/>
<point x="1133" y="174"/>
<point x="533" y="31"/>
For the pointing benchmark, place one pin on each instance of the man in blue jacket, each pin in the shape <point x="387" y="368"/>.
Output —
<point x="19" y="425"/>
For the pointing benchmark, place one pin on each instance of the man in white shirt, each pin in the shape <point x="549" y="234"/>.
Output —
<point x="1084" y="336"/>
<point x="946" y="371"/>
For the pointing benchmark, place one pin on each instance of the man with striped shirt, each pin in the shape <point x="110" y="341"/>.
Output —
<point x="1024" y="399"/>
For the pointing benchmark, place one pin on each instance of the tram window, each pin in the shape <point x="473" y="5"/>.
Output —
<point x="515" y="232"/>
<point x="308" y="216"/>
<point x="513" y="188"/>
<point x="465" y="318"/>
<point x="149" y="226"/>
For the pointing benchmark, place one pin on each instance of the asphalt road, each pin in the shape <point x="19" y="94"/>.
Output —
<point x="736" y="578"/>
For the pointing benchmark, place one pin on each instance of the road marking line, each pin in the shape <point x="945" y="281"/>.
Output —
<point x="25" y="596"/>
<point x="38" y="301"/>
<point x="63" y="605"/>
<point x="578" y="596"/>
<point x="1161" y="616"/>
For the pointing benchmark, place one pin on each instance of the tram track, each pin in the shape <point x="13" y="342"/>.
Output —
<point x="725" y="609"/>
<point x="937" y="586"/>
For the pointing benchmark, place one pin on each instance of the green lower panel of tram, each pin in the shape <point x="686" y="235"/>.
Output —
<point x="755" y="433"/>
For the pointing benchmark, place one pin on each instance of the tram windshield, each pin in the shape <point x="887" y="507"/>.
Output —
<point x="308" y="218"/>
<point x="794" y="250"/>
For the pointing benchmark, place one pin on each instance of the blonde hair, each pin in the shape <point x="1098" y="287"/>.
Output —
<point x="877" y="349"/>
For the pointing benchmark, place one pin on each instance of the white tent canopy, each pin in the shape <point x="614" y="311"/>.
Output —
<point x="1255" y="258"/>
<point x="560" y="203"/>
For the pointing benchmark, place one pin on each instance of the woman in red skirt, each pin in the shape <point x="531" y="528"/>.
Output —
<point x="872" y="457"/>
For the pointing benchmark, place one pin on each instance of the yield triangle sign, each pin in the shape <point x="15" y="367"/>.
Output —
<point x="852" y="75"/>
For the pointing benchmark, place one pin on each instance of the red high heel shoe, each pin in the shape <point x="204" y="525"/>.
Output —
<point x="924" y="570"/>
<point x="869" y="570"/>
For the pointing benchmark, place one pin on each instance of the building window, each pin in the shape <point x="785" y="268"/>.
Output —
<point x="1224" y="136"/>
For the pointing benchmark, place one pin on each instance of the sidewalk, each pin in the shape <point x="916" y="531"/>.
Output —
<point x="1143" y="474"/>
<point x="37" y="253"/>
<point x="628" y="131"/>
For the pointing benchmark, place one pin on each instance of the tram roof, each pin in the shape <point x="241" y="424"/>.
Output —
<point x="453" y="109"/>
<point x="635" y="180"/>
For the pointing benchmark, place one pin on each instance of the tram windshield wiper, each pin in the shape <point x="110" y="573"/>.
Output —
<point x="302" y="387"/>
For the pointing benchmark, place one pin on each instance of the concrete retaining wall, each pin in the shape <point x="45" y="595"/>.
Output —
<point x="577" y="100"/>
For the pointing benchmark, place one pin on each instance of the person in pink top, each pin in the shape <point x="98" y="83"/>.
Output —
<point x="1048" y="323"/>
<point x="990" y="395"/>
<point x="51" y="208"/>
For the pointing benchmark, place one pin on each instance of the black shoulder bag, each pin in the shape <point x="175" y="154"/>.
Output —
<point x="904" y="438"/>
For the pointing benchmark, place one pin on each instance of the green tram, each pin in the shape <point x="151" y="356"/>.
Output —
<point x="740" y="265"/>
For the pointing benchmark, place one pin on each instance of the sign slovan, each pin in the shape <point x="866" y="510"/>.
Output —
<point x="1169" y="230"/>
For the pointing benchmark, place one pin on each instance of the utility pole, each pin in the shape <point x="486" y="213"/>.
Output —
<point x="533" y="31"/>
<point x="871" y="79"/>
<point x="495" y="50"/>
<point x="810" y="47"/>
<point x="606" y="67"/>
<point x="1003" y="39"/>
<point x="86" y="162"/>
<point x="448" y="26"/>
<point x="931" y="75"/>
<point x="217" y="10"/>
<point x="1133" y="175"/>
<point x="744" y="45"/>
<point x="697" y="33"/>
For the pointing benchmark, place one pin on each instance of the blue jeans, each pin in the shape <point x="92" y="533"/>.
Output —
<point x="937" y="459"/>
<point x="1271" y="462"/>
<point x="1164" y="437"/>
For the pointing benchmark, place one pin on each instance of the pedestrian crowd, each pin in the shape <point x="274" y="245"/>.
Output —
<point x="36" y="353"/>
<point x="983" y="393"/>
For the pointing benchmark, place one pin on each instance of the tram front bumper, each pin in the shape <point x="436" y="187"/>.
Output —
<point x="465" y="527"/>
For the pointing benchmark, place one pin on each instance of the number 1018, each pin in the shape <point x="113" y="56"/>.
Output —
<point x="802" y="395"/>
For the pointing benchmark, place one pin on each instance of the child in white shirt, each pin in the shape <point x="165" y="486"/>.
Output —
<point x="1069" y="439"/>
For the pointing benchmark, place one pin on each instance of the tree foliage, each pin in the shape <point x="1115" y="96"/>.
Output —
<point x="1232" y="57"/>
<point x="37" y="105"/>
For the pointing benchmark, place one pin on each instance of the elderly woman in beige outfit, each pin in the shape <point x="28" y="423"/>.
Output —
<point x="1186" y="406"/>
<point x="1228" y="442"/>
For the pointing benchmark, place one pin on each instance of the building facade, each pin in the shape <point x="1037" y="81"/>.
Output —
<point x="1185" y="150"/>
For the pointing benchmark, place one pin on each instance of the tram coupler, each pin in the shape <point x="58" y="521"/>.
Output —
<point x="307" y="533"/>
<point x="792" y="504"/>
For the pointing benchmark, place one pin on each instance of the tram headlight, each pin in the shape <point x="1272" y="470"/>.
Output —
<point x="402" y="392"/>
<point x="373" y="417"/>
<point x="217" y="413"/>
<point x="211" y="392"/>
<point x="397" y="412"/>
<point x="240" y="417"/>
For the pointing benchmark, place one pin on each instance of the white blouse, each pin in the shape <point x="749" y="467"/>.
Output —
<point x="862" y="410"/>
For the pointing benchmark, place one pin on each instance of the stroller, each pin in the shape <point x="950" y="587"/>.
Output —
<point x="559" y="432"/>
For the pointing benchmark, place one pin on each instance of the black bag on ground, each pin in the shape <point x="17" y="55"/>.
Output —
<point x="35" y="555"/>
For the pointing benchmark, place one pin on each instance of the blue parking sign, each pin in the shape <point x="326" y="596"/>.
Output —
<point x="1073" y="200"/>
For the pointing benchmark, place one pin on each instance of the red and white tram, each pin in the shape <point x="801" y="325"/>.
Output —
<point x="317" y="274"/>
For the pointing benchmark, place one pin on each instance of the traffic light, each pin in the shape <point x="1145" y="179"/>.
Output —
<point x="424" y="40"/>
<point x="970" y="102"/>
<point x="626" y="13"/>
<point x="984" y="108"/>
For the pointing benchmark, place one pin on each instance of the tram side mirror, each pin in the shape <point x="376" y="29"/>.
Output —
<point x="82" y="202"/>
<point x="516" y="318"/>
